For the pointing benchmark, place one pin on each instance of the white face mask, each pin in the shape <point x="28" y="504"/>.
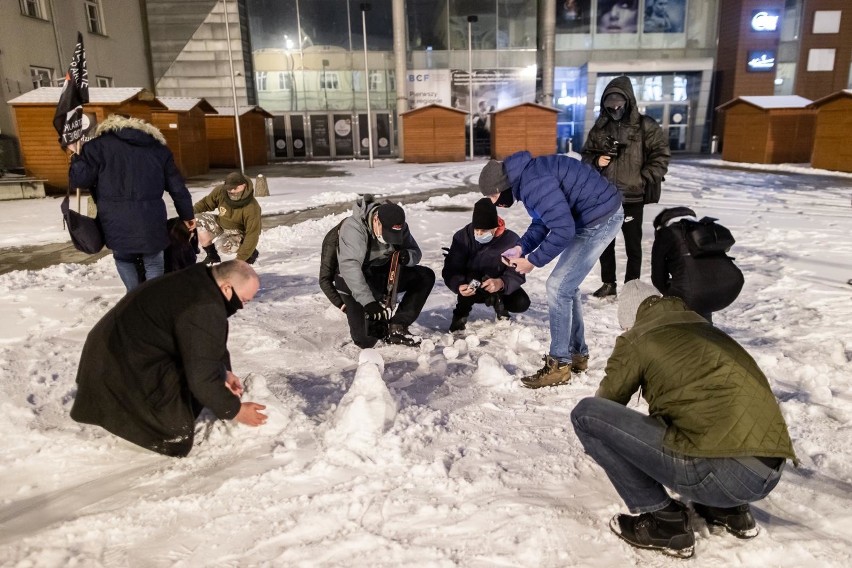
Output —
<point x="484" y="238"/>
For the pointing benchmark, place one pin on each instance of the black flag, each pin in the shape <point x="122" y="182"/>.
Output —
<point x="68" y="119"/>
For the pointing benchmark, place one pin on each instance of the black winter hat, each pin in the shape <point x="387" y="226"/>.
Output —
<point x="484" y="214"/>
<point x="392" y="218"/>
<point x="493" y="179"/>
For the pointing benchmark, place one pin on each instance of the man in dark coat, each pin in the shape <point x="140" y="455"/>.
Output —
<point x="160" y="355"/>
<point x="367" y="240"/>
<point x="707" y="283"/>
<point x="714" y="432"/>
<point x="127" y="167"/>
<point x="575" y="212"/>
<point x="638" y="162"/>
<point x="474" y="255"/>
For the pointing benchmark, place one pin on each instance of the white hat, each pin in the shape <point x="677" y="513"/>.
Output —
<point x="632" y="294"/>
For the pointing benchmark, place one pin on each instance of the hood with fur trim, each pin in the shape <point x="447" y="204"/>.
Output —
<point x="131" y="130"/>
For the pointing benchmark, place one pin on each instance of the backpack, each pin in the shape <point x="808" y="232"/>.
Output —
<point x="707" y="237"/>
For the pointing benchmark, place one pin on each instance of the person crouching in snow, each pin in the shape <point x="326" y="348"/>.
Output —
<point x="714" y="434"/>
<point x="237" y="225"/>
<point x="366" y="243"/>
<point x="474" y="257"/>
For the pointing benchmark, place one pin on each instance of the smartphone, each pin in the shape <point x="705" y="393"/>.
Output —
<point x="474" y="284"/>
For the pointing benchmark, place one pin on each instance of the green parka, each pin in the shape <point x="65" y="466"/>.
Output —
<point x="701" y="383"/>
<point x="242" y="214"/>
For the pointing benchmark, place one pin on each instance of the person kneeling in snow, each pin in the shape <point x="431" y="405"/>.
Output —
<point x="474" y="257"/>
<point x="715" y="433"/>
<point x="236" y="227"/>
<point x="160" y="355"/>
<point x="366" y="242"/>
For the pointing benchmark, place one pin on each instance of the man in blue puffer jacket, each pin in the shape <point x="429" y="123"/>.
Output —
<point x="127" y="167"/>
<point x="575" y="213"/>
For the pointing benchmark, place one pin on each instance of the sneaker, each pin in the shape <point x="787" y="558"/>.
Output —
<point x="670" y="532"/>
<point x="500" y="308"/>
<point x="579" y="363"/>
<point x="458" y="323"/>
<point x="608" y="289"/>
<point x="737" y="520"/>
<point x="398" y="334"/>
<point x="553" y="373"/>
<point x="253" y="257"/>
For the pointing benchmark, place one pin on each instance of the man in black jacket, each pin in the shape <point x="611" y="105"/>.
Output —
<point x="127" y="167"/>
<point x="473" y="267"/>
<point x="160" y="355"/>
<point x="632" y="152"/>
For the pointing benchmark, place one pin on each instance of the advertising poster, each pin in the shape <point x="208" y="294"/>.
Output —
<point x="428" y="86"/>
<point x="664" y="16"/>
<point x="573" y="16"/>
<point x="618" y="16"/>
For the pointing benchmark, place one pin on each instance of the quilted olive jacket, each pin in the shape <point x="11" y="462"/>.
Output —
<point x="701" y="383"/>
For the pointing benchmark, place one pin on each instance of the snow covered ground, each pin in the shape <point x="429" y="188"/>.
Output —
<point x="416" y="457"/>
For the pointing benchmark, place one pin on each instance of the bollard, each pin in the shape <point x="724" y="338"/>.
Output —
<point x="261" y="188"/>
<point x="714" y="144"/>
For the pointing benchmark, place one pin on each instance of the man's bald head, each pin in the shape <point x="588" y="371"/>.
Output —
<point x="239" y="276"/>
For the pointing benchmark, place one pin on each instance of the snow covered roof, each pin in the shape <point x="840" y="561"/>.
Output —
<point x="771" y="102"/>
<point x="437" y="106"/>
<point x="831" y="97"/>
<point x="528" y="104"/>
<point x="229" y="111"/>
<point x="97" y="95"/>
<point x="182" y="104"/>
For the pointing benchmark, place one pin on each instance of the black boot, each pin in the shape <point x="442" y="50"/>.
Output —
<point x="458" y="323"/>
<point x="668" y="530"/>
<point x="253" y="257"/>
<point x="212" y="256"/>
<point x="737" y="520"/>
<point x="500" y="308"/>
<point x="398" y="334"/>
<point x="608" y="289"/>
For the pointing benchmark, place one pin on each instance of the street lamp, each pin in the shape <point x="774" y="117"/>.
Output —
<point x="234" y="88"/>
<point x="470" y="20"/>
<point x="365" y="7"/>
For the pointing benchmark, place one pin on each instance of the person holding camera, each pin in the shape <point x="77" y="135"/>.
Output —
<point x="631" y="151"/>
<point x="473" y="267"/>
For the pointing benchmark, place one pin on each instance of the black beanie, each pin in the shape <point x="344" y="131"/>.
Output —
<point x="493" y="179"/>
<point x="484" y="214"/>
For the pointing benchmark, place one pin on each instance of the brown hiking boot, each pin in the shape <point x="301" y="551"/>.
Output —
<point x="579" y="363"/>
<point x="553" y="373"/>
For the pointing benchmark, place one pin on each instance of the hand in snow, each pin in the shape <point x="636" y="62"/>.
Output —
<point x="249" y="414"/>
<point x="233" y="383"/>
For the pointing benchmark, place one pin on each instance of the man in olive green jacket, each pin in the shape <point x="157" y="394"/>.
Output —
<point x="236" y="225"/>
<point x="714" y="433"/>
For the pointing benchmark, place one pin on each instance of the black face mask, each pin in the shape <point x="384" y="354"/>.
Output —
<point x="506" y="198"/>
<point x="616" y="112"/>
<point x="234" y="304"/>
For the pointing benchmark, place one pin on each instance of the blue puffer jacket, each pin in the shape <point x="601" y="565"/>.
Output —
<point x="127" y="167"/>
<point x="562" y="195"/>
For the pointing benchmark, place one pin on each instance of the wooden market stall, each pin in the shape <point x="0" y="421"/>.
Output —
<point x="527" y="126"/>
<point x="768" y="129"/>
<point x="832" y="149"/>
<point x="433" y="133"/>
<point x="184" y="126"/>
<point x="222" y="137"/>
<point x="41" y="153"/>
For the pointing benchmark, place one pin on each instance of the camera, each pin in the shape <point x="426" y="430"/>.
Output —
<point x="474" y="284"/>
<point x="613" y="147"/>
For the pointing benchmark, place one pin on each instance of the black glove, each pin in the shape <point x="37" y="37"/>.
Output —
<point x="404" y="257"/>
<point x="376" y="311"/>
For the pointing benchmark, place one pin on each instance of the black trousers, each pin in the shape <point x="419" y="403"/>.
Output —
<point x="416" y="282"/>
<point x="516" y="302"/>
<point x="631" y="230"/>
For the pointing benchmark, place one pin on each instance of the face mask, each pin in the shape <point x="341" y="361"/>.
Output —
<point x="484" y="238"/>
<point x="616" y="113"/>
<point x="234" y="304"/>
<point x="506" y="198"/>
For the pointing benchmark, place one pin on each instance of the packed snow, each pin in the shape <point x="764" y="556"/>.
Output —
<point x="432" y="456"/>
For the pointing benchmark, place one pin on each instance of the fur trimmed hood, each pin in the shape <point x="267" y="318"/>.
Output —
<point x="115" y="123"/>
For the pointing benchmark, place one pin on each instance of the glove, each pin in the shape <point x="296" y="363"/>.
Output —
<point x="376" y="312"/>
<point x="404" y="257"/>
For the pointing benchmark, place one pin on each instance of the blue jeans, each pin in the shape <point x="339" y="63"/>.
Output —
<point x="628" y="445"/>
<point x="126" y="264"/>
<point x="567" y="334"/>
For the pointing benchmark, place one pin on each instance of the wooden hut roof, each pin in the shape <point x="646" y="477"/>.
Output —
<point x="97" y="96"/>
<point x="229" y="111"/>
<point x="184" y="104"/>
<point x="831" y="97"/>
<point x="535" y="105"/>
<point x="769" y="102"/>
<point x="434" y="106"/>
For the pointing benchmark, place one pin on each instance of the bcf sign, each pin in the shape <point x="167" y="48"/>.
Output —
<point x="765" y="20"/>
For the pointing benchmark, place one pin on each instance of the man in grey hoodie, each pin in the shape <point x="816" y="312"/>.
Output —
<point x="366" y="243"/>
